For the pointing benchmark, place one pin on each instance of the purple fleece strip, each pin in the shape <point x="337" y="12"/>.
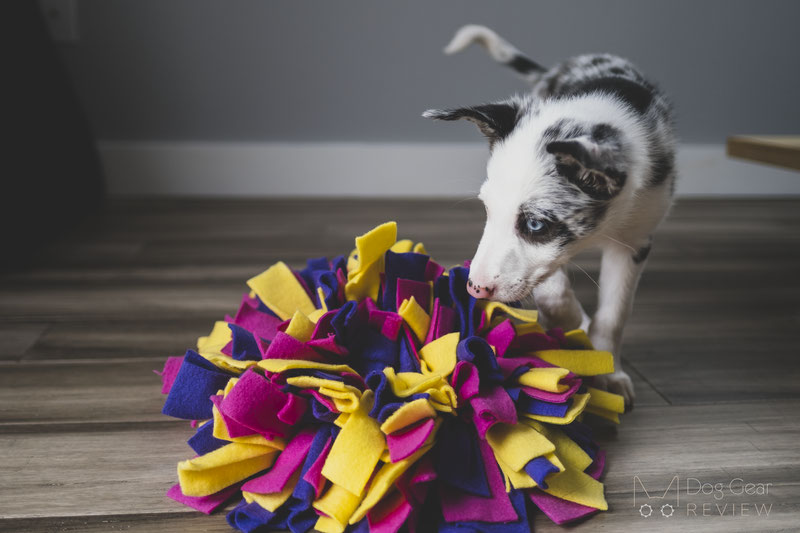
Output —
<point x="313" y="475"/>
<point x="458" y="506"/>
<point x="288" y="461"/>
<point x="563" y="511"/>
<point x="538" y="407"/>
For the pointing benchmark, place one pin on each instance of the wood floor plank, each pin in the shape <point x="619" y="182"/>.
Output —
<point x="81" y="391"/>
<point x="124" y="339"/>
<point x="710" y="347"/>
<point x="17" y="339"/>
<point x="117" y="473"/>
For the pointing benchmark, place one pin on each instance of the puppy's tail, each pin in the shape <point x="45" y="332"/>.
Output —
<point x="501" y="50"/>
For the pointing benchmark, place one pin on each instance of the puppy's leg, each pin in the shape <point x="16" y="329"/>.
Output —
<point x="619" y="275"/>
<point x="558" y="307"/>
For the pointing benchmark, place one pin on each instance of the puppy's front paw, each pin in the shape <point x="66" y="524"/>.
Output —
<point x="619" y="383"/>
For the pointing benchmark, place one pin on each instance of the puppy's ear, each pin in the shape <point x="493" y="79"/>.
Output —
<point x="595" y="163"/>
<point x="495" y="121"/>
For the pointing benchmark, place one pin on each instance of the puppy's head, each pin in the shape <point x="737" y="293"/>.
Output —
<point x="550" y="181"/>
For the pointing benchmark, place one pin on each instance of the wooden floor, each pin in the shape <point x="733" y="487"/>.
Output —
<point x="712" y="347"/>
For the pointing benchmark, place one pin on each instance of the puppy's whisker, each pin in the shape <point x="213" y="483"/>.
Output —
<point x="587" y="274"/>
<point x="628" y="246"/>
<point x="467" y="199"/>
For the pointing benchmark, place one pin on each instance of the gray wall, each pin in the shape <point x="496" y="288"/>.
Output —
<point x="296" y="70"/>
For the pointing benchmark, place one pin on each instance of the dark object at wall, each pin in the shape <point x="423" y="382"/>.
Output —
<point x="50" y="170"/>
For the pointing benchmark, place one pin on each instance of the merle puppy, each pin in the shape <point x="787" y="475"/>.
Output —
<point x="586" y="159"/>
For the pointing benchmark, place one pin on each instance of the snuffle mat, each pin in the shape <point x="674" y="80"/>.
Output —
<point x="372" y="393"/>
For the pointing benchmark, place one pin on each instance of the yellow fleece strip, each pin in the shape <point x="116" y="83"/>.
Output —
<point x="279" y="289"/>
<point x="219" y="337"/>
<point x="223" y="467"/>
<point x="546" y="379"/>
<point x="581" y="362"/>
<point x="415" y="316"/>
<point x="356" y="450"/>
<point x="439" y="355"/>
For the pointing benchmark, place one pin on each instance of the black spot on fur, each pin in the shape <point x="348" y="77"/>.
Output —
<point x="662" y="168"/>
<point x="524" y="65"/>
<point x="641" y="254"/>
<point x="599" y="60"/>
<point x="637" y="95"/>
<point x="551" y="133"/>
<point x="616" y="70"/>
<point x="603" y="132"/>
<point x="598" y="180"/>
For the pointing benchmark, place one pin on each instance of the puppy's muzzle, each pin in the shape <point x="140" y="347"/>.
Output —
<point x="477" y="291"/>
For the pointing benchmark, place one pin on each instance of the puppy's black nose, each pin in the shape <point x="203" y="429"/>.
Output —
<point x="477" y="291"/>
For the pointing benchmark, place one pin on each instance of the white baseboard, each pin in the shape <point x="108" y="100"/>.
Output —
<point x="375" y="169"/>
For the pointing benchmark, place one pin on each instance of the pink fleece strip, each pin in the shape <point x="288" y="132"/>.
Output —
<point x="234" y="428"/>
<point x="534" y="342"/>
<point x="443" y="321"/>
<point x="460" y="506"/>
<point x="384" y="518"/>
<point x="554" y="397"/>
<point x="386" y="321"/>
<point x="170" y="372"/>
<point x="492" y="407"/>
<point x="314" y="473"/>
<point x="327" y="344"/>
<point x="501" y="336"/>
<point x="288" y="461"/>
<point x="254" y="389"/>
<point x="509" y="365"/>
<point x="204" y="504"/>
<point x="433" y="270"/>
<point x="250" y="318"/>
<point x="420" y="290"/>
<point x="287" y="347"/>
<point x="293" y="410"/>
<point x="324" y="400"/>
<point x="414" y="485"/>
<point x="405" y="442"/>
<point x="562" y="511"/>
<point x="323" y="328"/>
<point x="465" y="380"/>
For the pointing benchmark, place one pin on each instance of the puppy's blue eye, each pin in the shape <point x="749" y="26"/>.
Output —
<point x="535" y="225"/>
